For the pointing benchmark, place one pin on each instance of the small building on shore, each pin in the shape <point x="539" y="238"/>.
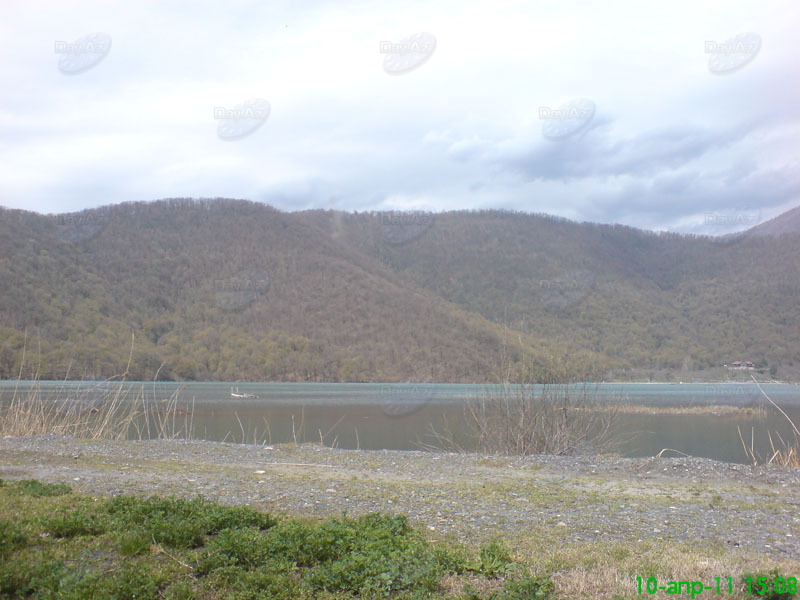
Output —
<point x="741" y="364"/>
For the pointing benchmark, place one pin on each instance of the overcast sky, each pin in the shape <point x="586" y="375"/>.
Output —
<point x="665" y="130"/>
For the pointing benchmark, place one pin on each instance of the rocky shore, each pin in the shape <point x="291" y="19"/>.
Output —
<point x="473" y="497"/>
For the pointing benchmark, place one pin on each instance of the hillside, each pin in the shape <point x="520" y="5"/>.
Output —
<point x="234" y="290"/>
<point x="786" y="223"/>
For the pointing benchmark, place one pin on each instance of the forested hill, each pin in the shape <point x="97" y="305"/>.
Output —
<point x="235" y="290"/>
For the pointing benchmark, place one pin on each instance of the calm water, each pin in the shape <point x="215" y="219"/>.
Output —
<point x="403" y="416"/>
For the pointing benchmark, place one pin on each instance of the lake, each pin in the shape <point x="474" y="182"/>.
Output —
<point x="403" y="416"/>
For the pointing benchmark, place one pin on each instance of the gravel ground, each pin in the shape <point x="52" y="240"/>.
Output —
<point x="579" y="499"/>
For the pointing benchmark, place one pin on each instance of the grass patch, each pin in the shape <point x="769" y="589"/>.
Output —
<point x="55" y="544"/>
<point x="73" y="523"/>
<point x="494" y="559"/>
<point x="35" y="489"/>
<point x="11" y="537"/>
<point x="179" y="523"/>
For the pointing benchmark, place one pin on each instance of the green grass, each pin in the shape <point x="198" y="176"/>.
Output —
<point x="82" y="521"/>
<point x="55" y="544"/>
<point x="494" y="559"/>
<point x="11" y="537"/>
<point x="35" y="489"/>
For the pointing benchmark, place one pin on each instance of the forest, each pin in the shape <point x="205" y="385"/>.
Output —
<point x="220" y="289"/>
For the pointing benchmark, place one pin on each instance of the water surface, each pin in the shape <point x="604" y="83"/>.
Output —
<point x="404" y="416"/>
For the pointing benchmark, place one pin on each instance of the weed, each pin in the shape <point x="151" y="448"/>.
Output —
<point x="494" y="559"/>
<point x="264" y="583"/>
<point x="11" y="537"/>
<point x="134" y="542"/>
<point x="180" y="590"/>
<point x="234" y="548"/>
<point x="527" y="587"/>
<point x="373" y="555"/>
<point x="452" y="558"/>
<point x="101" y="549"/>
<point x="179" y="523"/>
<point x="38" y="572"/>
<point x="133" y="581"/>
<point x="80" y="521"/>
<point x="37" y="489"/>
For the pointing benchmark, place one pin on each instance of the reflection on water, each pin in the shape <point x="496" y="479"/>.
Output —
<point x="403" y="416"/>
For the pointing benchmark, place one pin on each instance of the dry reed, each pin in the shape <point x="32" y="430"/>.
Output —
<point x="526" y="419"/>
<point x="786" y="453"/>
<point x="112" y="409"/>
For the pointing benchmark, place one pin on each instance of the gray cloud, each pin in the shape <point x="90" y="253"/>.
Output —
<point x="669" y="142"/>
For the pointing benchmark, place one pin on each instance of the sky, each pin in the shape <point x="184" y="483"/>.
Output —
<point x="680" y="116"/>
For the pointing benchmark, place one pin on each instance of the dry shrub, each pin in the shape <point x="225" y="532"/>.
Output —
<point x="519" y="420"/>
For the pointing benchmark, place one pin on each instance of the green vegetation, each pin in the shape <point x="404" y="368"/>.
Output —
<point x="494" y="559"/>
<point x="36" y="489"/>
<point x="343" y="304"/>
<point x="57" y="545"/>
<point x="11" y="537"/>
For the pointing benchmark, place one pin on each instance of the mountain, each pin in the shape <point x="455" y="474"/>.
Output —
<point x="786" y="223"/>
<point x="235" y="290"/>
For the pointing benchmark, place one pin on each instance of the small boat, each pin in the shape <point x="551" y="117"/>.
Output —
<point x="237" y="394"/>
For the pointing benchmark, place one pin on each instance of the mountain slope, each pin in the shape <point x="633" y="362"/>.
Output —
<point x="786" y="223"/>
<point x="232" y="290"/>
<point x="327" y="312"/>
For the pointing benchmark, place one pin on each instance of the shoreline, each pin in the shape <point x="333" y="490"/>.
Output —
<point x="591" y="521"/>
<point x="407" y="479"/>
